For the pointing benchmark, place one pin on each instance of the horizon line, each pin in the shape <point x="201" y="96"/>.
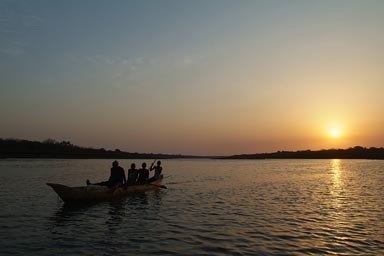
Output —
<point x="53" y="141"/>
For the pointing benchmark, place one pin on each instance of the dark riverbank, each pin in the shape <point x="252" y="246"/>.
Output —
<point x="350" y="153"/>
<point x="15" y="148"/>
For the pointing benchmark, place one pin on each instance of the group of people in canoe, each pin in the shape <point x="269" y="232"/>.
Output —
<point x="135" y="176"/>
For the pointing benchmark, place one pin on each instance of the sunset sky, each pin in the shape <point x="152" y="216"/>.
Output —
<point x="194" y="77"/>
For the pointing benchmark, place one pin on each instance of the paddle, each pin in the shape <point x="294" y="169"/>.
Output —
<point x="152" y="164"/>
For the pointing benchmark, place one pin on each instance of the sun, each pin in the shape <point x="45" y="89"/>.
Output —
<point x="335" y="133"/>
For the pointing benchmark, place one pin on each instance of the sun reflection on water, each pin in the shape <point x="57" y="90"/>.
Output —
<point x="336" y="188"/>
<point x="336" y="176"/>
<point x="338" y="203"/>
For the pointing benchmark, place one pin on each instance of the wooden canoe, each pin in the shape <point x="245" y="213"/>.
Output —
<point x="97" y="193"/>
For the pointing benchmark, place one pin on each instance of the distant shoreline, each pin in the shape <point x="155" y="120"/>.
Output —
<point x="51" y="149"/>
<point x="357" y="152"/>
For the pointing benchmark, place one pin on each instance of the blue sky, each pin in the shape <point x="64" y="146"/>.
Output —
<point x="193" y="77"/>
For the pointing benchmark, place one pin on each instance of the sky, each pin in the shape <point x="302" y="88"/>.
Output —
<point x="197" y="77"/>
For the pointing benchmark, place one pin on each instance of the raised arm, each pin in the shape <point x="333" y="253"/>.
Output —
<point x="152" y="166"/>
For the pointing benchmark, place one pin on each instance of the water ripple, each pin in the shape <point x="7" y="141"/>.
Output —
<point x="280" y="207"/>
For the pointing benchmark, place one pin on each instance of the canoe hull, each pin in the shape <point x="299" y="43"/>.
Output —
<point x="92" y="194"/>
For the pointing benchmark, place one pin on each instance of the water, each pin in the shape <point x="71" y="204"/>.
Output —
<point x="263" y="207"/>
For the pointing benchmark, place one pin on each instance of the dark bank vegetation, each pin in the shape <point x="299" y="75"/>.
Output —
<point x="16" y="148"/>
<point x="350" y="153"/>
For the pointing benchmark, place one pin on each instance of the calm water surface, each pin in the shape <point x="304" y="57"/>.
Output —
<point x="268" y="207"/>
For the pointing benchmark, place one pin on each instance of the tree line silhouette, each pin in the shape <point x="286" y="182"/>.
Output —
<point x="16" y="148"/>
<point x="357" y="152"/>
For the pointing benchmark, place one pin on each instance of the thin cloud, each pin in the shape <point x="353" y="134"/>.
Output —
<point x="121" y="70"/>
<point x="16" y="18"/>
